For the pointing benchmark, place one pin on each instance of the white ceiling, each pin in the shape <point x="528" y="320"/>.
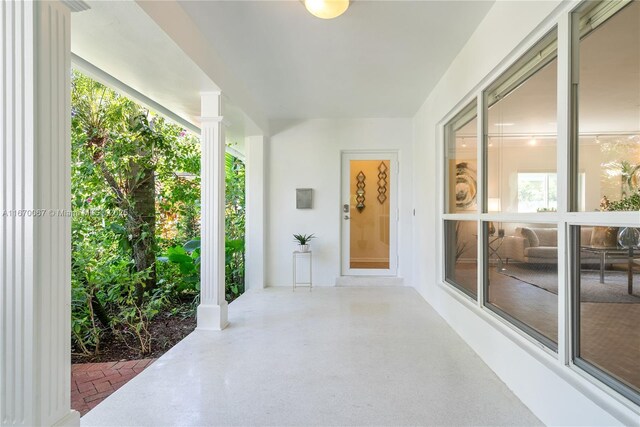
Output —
<point x="379" y="59"/>
<point x="274" y="60"/>
<point x="122" y="40"/>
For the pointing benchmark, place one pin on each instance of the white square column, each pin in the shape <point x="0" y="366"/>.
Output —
<point x="212" y="311"/>
<point x="35" y="214"/>
<point x="255" y="179"/>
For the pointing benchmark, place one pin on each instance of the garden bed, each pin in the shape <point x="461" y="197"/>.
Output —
<point x="166" y="331"/>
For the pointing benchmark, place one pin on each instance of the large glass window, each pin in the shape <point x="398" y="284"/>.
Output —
<point x="608" y="104"/>
<point x="521" y="270"/>
<point x="606" y="257"/>
<point x="461" y="197"/>
<point x="523" y="189"/>
<point x="461" y="259"/>
<point x="521" y="259"/>
<point x="521" y="132"/>
<point x="461" y="146"/>
<point x="607" y="303"/>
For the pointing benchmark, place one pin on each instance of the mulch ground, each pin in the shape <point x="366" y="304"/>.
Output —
<point x="166" y="331"/>
<point x="95" y="377"/>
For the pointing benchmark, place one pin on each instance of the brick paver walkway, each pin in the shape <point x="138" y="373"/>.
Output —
<point x="91" y="383"/>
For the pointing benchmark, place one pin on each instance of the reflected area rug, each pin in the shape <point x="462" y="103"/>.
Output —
<point x="614" y="288"/>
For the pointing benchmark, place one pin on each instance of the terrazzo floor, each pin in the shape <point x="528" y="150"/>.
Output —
<point x="333" y="356"/>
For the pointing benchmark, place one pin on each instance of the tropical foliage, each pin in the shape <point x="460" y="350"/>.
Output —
<point x="136" y="201"/>
<point x="627" y="203"/>
<point x="629" y="175"/>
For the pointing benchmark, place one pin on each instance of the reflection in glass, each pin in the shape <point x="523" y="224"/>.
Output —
<point x="522" y="132"/>
<point x="609" y="110"/>
<point x="523" y="277"/>
<point x="608" y="308"/>
<point x="537" y="192"/>
<point x="461" y="260"/>
<point x="369" y="214"/>
<point x="462" y="161"/>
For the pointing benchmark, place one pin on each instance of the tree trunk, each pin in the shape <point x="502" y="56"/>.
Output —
<point x="100" y="311"/>
<point x="139" y="207"/>
<point x="141" y="224"/>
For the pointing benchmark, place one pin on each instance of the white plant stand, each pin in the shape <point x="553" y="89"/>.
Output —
<point x="296" y="254"/>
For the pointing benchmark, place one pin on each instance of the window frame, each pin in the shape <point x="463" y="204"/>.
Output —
<point x="452" y="282"/>
<point x="585" y="365"/>
<point x="461" y="119"/>
<point x="562" y="362"/>
<point x="540" y="54"/>
<point x="461" y="115"/>
<point x="586" y="17"/>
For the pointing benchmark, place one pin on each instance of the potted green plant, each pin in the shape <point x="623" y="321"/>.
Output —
<point x="303" y="241"/>
<point x="609" y="236"/>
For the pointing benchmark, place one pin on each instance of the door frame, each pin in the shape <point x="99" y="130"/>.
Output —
<point x="394" y="217"/>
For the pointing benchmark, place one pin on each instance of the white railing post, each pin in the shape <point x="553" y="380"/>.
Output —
<point x="212" y="311"/>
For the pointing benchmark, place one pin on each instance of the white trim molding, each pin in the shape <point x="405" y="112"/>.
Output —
<point x="35" y="214"/>
<point x="212" y="311"/>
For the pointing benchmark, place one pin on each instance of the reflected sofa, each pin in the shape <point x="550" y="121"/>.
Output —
<point x="535" y="245"/>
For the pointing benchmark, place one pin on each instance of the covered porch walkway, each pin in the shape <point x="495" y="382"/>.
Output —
<point x="334" y="356"/>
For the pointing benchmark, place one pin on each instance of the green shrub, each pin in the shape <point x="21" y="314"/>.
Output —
<point x="112" y="138"/>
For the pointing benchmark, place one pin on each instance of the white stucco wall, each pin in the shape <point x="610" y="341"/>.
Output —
<point x="556" y="394"/>
<point x="307" y="154"/>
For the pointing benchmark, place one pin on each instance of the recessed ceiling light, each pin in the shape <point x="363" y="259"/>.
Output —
<point x="533" y="142"/>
